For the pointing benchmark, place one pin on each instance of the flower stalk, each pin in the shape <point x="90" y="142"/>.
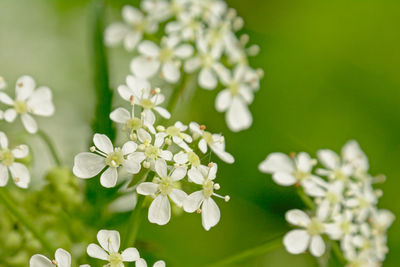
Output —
<point x="46" y="139"/>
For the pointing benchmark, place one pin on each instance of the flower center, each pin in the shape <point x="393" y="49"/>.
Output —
<point x="147" y="103"/>
<point x="332" y="197"/>
<point x="165" y="185"/>
<point x="134" y="123"/>
<point x="208" y="137"/>
<point x="339" y="175"/>
<point x="315" y="227"/>
<point x="234" y="88"/>
<point x="345" y="226"/>
<point x="115" y="260"/>
<point x="173" y="131"/>
<point x="6" y="157"/>
<point x="208" y="188"/>
<point x="193" y="159"/>
<point x="152" y="152"/>
<point x="207" y="60"/>
<point x="115" y="158"/>
<point x="300" y="175"/>
<point x="166" y="54"/>
<point x="20" y="107"/>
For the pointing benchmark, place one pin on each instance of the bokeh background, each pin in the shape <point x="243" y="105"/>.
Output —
<point x="332" y="73"/>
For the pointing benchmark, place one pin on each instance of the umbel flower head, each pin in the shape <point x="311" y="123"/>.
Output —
<point x="28" y="101"/>
<point x="342" y="200"/>
<point x="8" y="164"/>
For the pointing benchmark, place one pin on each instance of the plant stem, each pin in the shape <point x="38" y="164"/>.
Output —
<point x="9" y="203"/>
<point x="101" y="123"/>
<point x="253" y="252"/>
<point x="50" y="145"/>
<point x="306" y="199"/>
<point x="177" y="93"/>
<point x="134" y="223"/>
<point x="338" y="253"/>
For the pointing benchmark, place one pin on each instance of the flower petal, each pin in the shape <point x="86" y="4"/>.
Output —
<point x="20" y="151"/>
<point x="177" y="196"/>
<point x="40" y="261"/>
<point x="223" y="100"/>
<point x="24" y="87"/>
<point x="109" y="177"/>
<point x="238" y="116"/>
<point x="3" y="175"/>
<point x="328" y="158"/>
<point x="29" y="123"/>
<point x="109" y="240"/>
<point x="210" y="214"/>
<point x="159" y="264"/>
<point x="63" y="258"/>
<point x="103" y="143"/>
<point x="163" y="112"/>
<point x="120" y="115"/>
<point x="20" y="174"/>
<point x="178" y="173"/>
<point x="170" y="71"/>
<point x="130" y="254"/>
<point x="193" y="201"/>
<point x="276" y="162"/>
<point x="161" y="168"/>
<point x="147" y="188"/>
<point x="132" y="166"/>
<point x="4" y="98"/>
<point x="95" y="251"/>
<point x="144" y="67"/>
<point x="3" y="140"/>
<point x="296" y="241"/>
<point x="207" y="79"/>
<point x="160" y="210"/>
<point x="196" y="176"/>
<point x="284" y="179"/>
<point x="148" y="48"/>
<point x="317" y="247"/>
<point x="297" y="217"/>
<point x="10" y="115"/>
<point x="129" y="147"/>
<point x="40" y="103"/>
<point x="88" y="165"/>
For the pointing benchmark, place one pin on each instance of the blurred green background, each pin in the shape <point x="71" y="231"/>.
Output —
<point x="332" y="73"/>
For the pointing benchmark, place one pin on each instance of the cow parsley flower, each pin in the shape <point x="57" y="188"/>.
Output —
<point x="104" y="155"/>
<point x="163" y="186"/>
<point x="109" y="249"/>
<point x="62" y="259"/>
<point x="28" y="101"/>
<point x="143" y="263"/>
<point x="152" y="148"/>
<point x="216" y="142"/>
<point x="19" y="172"/>
<point x="210" y="212"/>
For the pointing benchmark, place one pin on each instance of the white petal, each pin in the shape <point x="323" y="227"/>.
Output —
<point x="63" y="258"/>
<point x="163" y="112"/>
<point x="203" y="146"/>
<point x="328" y="158"/>
<point x="10" y="115"/>
<point x="212" y="173"/>
<point x="4" y="98"/>
<point x="120" y="115"/>
<point x="115" y="33"/>
<point x="192" y="64"/>
<point x="207" y="79"/>
<point x="24" y="87"/>
<point x="149" y="117"/>
<point x="177" y="196"/>
<point x="103" y="143"/>
<point x="130" y="254"/>
<point x="193" y="201"/>
<point x="210" y="213"/>
<point x="144" y="67"/>
<point x="277" y="162"/>
<point x="95" y="251"/>
<point x="170" y="72"/>
<point x="3" y="175"/>
<point x="238" y="116"/>
<point x="223" y="100"/>
<point x="178" y="173"/>
<point x="161" y="168"/>
<point x="297" y="217"/>
<point x="323" y="209"/>
<point x="137" y="85"/>
<point x="125" y="92"/>
<point x="147" y="188"/>
<point x="141" y="263"/>
<point x="296" y="241"/>
<point x="40" y="261"/>
<point x="124" y="203"/>
<point x="159" y="264"/>
<point x="143" y="135"/>
<point x="20" y="174"/>
<point x="137" y="156"/>
<point x="87" y="165"/>
<point x="160" y="210"/>
<point x="132" y="39"/>
<point x="40" y="103"/>
<point x="29" y="123"/>
<point x="132" y="166"/>
<point x="223" y="155"/>
<point x="109" y="177"/>
<point x="20" y="151"/>
<point x="184" y="51"/>
<point x="129" y="147"/>
<point x="304" y="162"/>
<point x="181" y="157"/>
<point x="196" y="176"/>
<point x="132" y="15"/>
<point x="284" y="178"/>
<point x="317" y="247"/>
<point x="3" y="140"/>
<point x="109" y="240"/>
<point x="149" y="49"/>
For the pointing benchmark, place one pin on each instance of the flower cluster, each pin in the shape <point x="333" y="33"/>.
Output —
<point x="157" y="159"/>
<point x="343" y="206"/>
<point x="108" y="250"/>
<point x="199" y="40"/>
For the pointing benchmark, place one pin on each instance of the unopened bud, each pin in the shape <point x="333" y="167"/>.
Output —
<point x="227" y="198"/>
<point x="210" y="164"/>
<point x="160" y="128"/>
<point x="168" y="141"/>
<point x="133" y="136"/>
<point x="217" y="186"/>
<point x="198" y="211"/>
<point x="141" y="147"/>
<point x="158" y="90"/>
<point x="292" y="154"/>
<point x="92" y="149"/>
<point x="202" y="127"/>
<point x="253" y="50"/>
<point x="146" y="164"/>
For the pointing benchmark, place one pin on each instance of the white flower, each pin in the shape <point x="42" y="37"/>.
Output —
<point x="138" y="92"/>
<point x="130" y="122"/>
<point x="163" y="186"/>
<point x="176" y="132"/>
<point x="88" y="165"/>
<point x="167" y="58"/>
<point x="28" y="101"/>
<point x="109" y="250"/>
<point x="234" y="99"/>
<point x="287" y="171"/>
<point x="335" y="167"/>
<point x="210" y="213"/>
<point x="362" y="200"/>
<point x="19" y="172"/>
<point x="297" y="241"/>
<point x="207" y="60"/>
<point x="352" y="153"/>
<point x="152" y="151"/>
<point x="188" y="158"/>
<point x="185" y="27"/>
<point x="330" y="202"/>
<point x="142" y="263"/>
<point x="62" y="259"/>
<point x="215" y="141"/>
<point x="130" y="33"/>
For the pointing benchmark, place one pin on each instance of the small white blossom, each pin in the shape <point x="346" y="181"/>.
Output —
<point x="210" y="212"/>
<point x="19" y="171"/>
<point x="109" y="250"/>
<point x="129" y="121"/>
<point x="176" y="132"/>
<point x="152" y="150"/>
<point x="62" y="259"/>
<point x="142" y="263"/>
<point x="28" y="101"/>
<point x="163" y="186"/>
<point x="88" y="165"/>
<point x="216" y="142"/>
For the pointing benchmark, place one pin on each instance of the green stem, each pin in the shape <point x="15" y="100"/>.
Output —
<point x="101" y="123"/>
<point x="177" y="93"/>
<point x="250" y="253"/>
<point x="306" y="199"/>
<point x="338" y="253"/>
<point x="9" y="203"/>
<point x="134" y="223"/>
<point x="46" y="139"/>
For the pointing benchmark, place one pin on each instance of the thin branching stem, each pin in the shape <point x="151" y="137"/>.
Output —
<point x="46" y="139"/>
